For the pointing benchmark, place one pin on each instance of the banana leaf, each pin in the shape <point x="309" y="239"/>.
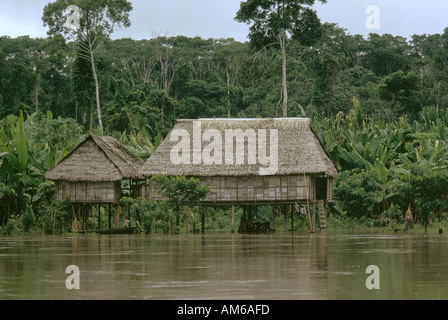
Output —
<point x="21" y="144"/>
<point x="353" y="158"/>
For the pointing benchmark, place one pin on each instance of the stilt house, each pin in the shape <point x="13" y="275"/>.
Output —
<point x="246" y="161"/>
<point x="92" y="172"/>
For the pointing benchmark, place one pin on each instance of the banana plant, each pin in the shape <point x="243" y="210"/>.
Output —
<point x="431" y="158"/>
<point x="13" y="147"/>
<point x="25" y="156"/>
<point x="362" y="150"/>
<point x="430" y="116"/>
<point x="329" y="131"/>
<point x="140" y="144"/>
<point x="356" y="118"/>
<point x="14" y="158"/>
<point x="21" y="144"/>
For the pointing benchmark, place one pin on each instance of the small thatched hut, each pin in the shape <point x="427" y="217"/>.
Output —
<point x="92" y="172"/>
<point x="246" y="161"/>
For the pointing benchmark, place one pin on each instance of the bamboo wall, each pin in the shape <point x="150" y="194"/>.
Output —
<point x="88" y="192"/>
<point x="268" y="189"/>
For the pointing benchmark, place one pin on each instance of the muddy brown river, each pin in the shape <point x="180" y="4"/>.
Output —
<point x="225" y="267"/>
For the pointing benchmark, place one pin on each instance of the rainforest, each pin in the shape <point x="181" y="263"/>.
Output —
<point x="378" y="104"/>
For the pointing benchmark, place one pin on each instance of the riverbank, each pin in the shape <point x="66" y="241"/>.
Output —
<point x="221" y="223"/>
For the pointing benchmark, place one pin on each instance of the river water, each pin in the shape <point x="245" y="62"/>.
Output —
<point x="225" y="267"/>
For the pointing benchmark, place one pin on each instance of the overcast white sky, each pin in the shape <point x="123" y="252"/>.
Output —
<point x="214" y="18"/>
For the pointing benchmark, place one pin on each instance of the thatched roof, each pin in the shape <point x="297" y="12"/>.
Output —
<point x="96" y="159"/>
<point x="299" y="149"/>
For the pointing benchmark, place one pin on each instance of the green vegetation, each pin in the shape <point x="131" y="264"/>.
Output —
<point x="379" y="105"/>
<point x="388" y="167"/>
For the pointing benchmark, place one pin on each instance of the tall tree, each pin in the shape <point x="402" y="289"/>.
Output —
<point x="83" y="89"/>
<point x="272" y="22"/>
<point x="162" y="48"/>
<point x="90" y="23"/>
<point x="386" y="54"/>
<point x="400" y="91"/>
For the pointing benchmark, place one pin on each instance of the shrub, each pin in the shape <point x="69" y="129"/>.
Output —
<point x="27" y="220"/>
<point x="393" y="213"/>
<point x="358" y="194"/>
<point x="10" y="227"/>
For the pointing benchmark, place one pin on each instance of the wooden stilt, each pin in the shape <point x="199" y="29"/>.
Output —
<point x="202" y="221"/>
<point x="291" y="209"/>
<point x="73" y="219"/>
<point x="117" y="215"/>
<point x="79" y="217"/>
<point x="187" y="221"/>
<point x="190" y="220"/>
<point x="89" y="214"/>
<point x="312" y="230"/>
<point x="273" y="218"/>
<point x="307" y="212"/>
<point x="233" y="219"/>
<point x="286" y="213"/>
<point x="83" y="213"/>
<point x="83" y="219"/>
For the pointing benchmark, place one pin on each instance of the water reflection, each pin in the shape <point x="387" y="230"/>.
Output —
<point x="319" y="266"/>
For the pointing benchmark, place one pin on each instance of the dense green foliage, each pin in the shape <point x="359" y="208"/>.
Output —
<point x="27" y="150"/>
<point x="273" y="20"/>
<point x="162" y="79"/>
<point x="164" y="216"/>
<point x="379" y="105"/>
<point x="389" y="166"/>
